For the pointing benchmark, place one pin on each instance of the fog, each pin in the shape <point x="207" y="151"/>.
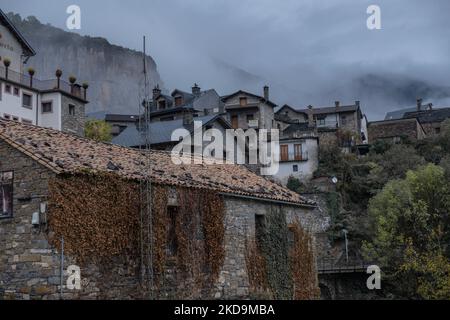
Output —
<point x="308" y="52"/>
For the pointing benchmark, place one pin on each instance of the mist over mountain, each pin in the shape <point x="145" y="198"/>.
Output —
<point x="114" y="73"/>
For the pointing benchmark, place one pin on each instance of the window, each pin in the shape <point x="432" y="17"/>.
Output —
<point x="71" y="109"/>
<point x="243" y="102"/>
<point x="47" y="107"/>
<point x="297" y="152"/>
<point x="26" y="121"/>
<point x="295" y="168"/>
<point x="344" y="120"/>
<point x="437" y="130"/>
<point x="6" y="194"/>
<point x="6" y="116"/>
<point x="291" y="236"/>
<point x="27" y="101"/>
<point x="250" y="117"/>
<point x="321" y="121"/>
<point x="162" y="105"/>
<point x="260" y="223"/>
<point x="16" y="91"/>
<point x="8" y="88"/>
<point x="172" y="241"/>
<point x="284" y="152"/>
<point x="15" y="118"/>
<point x="178" y="101"/>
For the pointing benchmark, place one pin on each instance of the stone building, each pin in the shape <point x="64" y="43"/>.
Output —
<point x="35" y="160"/>
<point x="246" y="110"/>
<point x="328" y="120"/>
<point x="396" y="130"/>
<point x="52" y="103"/>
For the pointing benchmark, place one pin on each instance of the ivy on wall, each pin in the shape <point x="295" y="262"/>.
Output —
<point x="99" y="218"/>
<point x="281" y="259"/>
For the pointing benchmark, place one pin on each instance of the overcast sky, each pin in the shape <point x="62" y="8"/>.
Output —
<point x="308" y="51"/>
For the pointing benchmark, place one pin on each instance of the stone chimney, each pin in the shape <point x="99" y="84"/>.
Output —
<point x="358" y="104"/>
<point x="430" y="107"/>
<point x="310" y="116"/>
<point x="188" y="118"/>
<point x="156" y="92"/>
<point x="337" y="104"/>
<point x="266" y="93"/>
<point x="196" y="90"/>
<point x="419" y="104"/>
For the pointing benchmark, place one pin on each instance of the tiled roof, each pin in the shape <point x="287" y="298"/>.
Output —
<point x="66" y="153"/>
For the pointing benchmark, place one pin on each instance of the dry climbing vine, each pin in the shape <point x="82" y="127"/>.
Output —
<point x="303" y="266"/>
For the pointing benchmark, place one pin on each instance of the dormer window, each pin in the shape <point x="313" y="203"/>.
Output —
<point x="178" y="101"/>
<point x="243" y="101"/>
<point x="161" y="104"/>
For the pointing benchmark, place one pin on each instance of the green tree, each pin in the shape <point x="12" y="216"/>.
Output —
<point x="99" y="130"/>
<point x="410" y="234"/>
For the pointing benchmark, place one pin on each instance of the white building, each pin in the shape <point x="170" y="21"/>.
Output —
<point x="51" y="103"/>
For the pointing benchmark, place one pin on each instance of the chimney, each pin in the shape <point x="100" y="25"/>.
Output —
<point x="310" y="116"/>
<point x="358" y="104"/>
<point x="337" y="103"/>
<point x="430" y="107"/>
<point x="156" y="92"/>
<point x="196" y="90"/>
<point x="188" y="118"/>
<point x="266" y="93"/>
<point x="419" y="104"/>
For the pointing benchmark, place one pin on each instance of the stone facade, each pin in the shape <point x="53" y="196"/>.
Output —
<point x="31" y="268"/>
<point x="396" y="129"/>
<point x="73" y="116"/>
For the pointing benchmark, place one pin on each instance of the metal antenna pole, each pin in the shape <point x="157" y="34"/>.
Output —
<point x="146" y="217"/>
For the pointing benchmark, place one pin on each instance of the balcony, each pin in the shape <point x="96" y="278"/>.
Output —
<point x="293" y="157"/>
<point x="41" y="85"/>
<point x="326" y="124"/>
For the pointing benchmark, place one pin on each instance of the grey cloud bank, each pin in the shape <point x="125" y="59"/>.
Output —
<point x="309" y="52"/>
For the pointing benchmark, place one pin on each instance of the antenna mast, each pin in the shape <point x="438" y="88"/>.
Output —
<point x="146" y="216"/>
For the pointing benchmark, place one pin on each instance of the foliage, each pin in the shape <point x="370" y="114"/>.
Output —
<point x="303" y="265"/>
<point x="411" y="219"/>
<point x="286" y="269"/>
<point x="99" y="130"/>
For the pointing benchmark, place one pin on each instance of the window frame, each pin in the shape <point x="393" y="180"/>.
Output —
<point x="178" y="101"/>
<point x="31" y="100"/>
<point x="298" y="151"/>
<point x="11" y="215"/>
<point x="8" y="88"/>
<point x="47" y="102"/>
<point x="72" y="109"/>
<point x="243" y="101"/>
<point x="18" y="91"/>
<point x="284" y="156"/>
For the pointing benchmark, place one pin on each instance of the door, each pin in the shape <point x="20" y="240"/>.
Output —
<point x="298" y="152"/>
<point x="234" y="122"/>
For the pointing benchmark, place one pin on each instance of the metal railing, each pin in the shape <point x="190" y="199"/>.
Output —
<point x="292" y="156"/>
<point x="330" y="266"/>
<point x="41" y="85"/>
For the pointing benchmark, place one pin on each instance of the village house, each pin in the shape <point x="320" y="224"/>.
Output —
<point x="299" y="153"/>
<point x="327" y="121"/>
<point x="159" y="134"/>
<point x="119" y="122"/>
<point x="246" y="110"/>
<point x="60" y="190"/>
<point x="396" y="131"/>
<point x="51" y="103"/>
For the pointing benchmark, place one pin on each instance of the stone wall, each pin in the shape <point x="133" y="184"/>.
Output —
<point x="72" y="123"/>
<point x="404" y="128"/>
<point x="30" y="266"/>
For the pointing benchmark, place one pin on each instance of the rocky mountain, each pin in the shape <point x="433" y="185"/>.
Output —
<point x="114" y="73"/>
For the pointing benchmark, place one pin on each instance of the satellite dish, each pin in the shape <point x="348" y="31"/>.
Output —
<point x="334" y="180"/>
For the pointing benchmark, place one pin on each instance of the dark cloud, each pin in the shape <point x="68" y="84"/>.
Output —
<point x="309" y="52"/>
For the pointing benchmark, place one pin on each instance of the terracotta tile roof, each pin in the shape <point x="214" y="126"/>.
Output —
<point x="66" y="153"/>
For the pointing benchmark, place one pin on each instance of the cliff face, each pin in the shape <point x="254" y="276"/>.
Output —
<point x="114" y="74"/>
